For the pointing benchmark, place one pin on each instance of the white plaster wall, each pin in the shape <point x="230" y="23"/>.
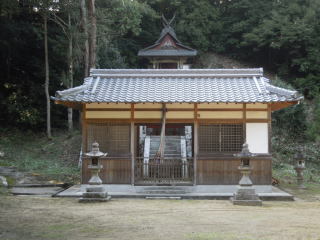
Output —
<point x="257" y="137"/>
<point x="186" y="66"/>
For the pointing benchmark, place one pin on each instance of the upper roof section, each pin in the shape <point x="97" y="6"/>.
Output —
<point x="177" y="85"/>
<point x="167" y="44"/>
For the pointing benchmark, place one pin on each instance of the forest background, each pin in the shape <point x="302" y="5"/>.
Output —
<point x="282" y="36"/>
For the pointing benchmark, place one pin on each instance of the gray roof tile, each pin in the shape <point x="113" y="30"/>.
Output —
<point x="193" y="85"/>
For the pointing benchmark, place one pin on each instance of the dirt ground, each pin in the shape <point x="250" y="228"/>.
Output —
<point x="45" y="218"/>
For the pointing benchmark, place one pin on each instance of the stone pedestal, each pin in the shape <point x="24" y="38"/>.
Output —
<point x="246" y="194"/>
<point x="95" y="194"/>
<point x="95" y="179"/>
<point x="299" y="171"/>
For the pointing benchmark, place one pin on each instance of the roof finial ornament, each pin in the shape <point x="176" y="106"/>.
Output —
<point x="167" y="23"/>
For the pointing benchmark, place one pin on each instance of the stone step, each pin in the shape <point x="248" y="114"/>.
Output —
<point x="166" y="192"/>
<point x="178" y="146"/>
<point x="163" y="197"/>
<point x="166" y="151"/>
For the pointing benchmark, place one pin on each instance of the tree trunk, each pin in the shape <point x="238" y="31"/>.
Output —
<point x="45" y="19"/>
<point x="70" y="64"/>
<point x="84" y="27"/>
<point x="92" y="33"/>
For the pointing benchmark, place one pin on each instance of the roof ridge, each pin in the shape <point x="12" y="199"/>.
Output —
<point x="176" y="75"/>
<point x="281" y="91"/>
<point x="73" y="90"/>
<point x="197" y="72"/>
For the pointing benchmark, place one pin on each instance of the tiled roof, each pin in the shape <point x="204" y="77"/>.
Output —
<point x="163" y="85"/>
<point x="181" y="50"/>
<point x="166" y="52"/>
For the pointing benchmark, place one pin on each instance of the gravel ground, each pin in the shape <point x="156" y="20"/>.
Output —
<point x="45" y="218"/>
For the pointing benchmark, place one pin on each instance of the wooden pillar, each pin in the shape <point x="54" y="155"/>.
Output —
<point x="132" y="144"/>
<point x="84" y="129"/>
<point x="195" y="144"/>
<point x="244" y="110"/>
<point x="269" y="128"/>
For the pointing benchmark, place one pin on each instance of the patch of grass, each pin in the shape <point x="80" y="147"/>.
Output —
<point x="288" y="182"/>
<point x="11" y="181"/>
<point x="216" y="236"/>
<point x="3" y="191"/>
<point x="33" y="152"/>
<point x="63" y="231"/>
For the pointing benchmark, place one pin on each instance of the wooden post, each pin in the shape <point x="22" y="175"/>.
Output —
<point x="84" y="137"/>
<point x="269" y="128"/>
<point x="84" y="129"/>
<point x="132" y="144"/>
<point x="195" y="144"/>
<point x="244" y="106"/>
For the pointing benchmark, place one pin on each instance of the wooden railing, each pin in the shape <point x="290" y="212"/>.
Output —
<point x="164" y="171"/>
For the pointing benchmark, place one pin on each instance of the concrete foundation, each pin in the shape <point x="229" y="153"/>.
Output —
<point x="223" y="192"/>
<point x="95" y="194"/>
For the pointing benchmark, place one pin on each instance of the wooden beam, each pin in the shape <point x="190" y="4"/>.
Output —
<point x="73" y="105"/>
<point x="280" y="105"/>
<point x="176" y="109"/>
<point x="106" y="120"/>
<point x="109" y="109"/>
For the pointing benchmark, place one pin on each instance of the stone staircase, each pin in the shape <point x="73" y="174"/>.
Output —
<point x="172" y="146"/>
<point x="164" y="192"/>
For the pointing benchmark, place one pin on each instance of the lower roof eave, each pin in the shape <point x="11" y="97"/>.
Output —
<point x="69" y="104"/>
<point x="275" y="105"/>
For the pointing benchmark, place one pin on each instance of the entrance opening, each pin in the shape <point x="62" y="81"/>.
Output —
<point x="168" y="65"/>
<point x="176" y="166"/>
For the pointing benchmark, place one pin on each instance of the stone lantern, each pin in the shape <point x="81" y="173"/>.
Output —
<point x="95" y="165"/>
<point x="95" y="192"/>
<point x="299" y="167"/>
<point x="245" y="194"/>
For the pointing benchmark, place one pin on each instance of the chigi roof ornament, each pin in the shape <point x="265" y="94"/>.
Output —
<point x="168" y="51"/>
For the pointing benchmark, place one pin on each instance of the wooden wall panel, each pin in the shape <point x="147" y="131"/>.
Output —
<point x="179" y="105"/>
<point x="256" y="105"/>
<point x="257" y="115"/>
<point x="108" y="105"/>
<point x="180" y="115"/>
<point x="148" y="105"/>
<point x="225" y="172"/>
<point x="114" y="171"/>
<point x="220" y="115"/>
<point x="219" y="105"/>
<point x="108" y="114"/>
<point x="148" y="114"/>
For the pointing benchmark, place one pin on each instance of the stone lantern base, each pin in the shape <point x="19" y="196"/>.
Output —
<point x="246" y="196"/>
<point x="95" y="194"/>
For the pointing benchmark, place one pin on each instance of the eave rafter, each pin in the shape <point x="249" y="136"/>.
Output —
<point x="280" y="105"/>
<point x="73" y="105"/>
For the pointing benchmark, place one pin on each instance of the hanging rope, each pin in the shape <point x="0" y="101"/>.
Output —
<point x="160" y="153"/>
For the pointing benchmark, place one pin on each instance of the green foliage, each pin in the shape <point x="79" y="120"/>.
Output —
<point x="314" y="127"/>
<point x="291" y="120"/>
<point x="290" y="37"/>
<point x="282" y="36"/>
<point x="115" y="19"/>
<point x="56" y="159"/>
